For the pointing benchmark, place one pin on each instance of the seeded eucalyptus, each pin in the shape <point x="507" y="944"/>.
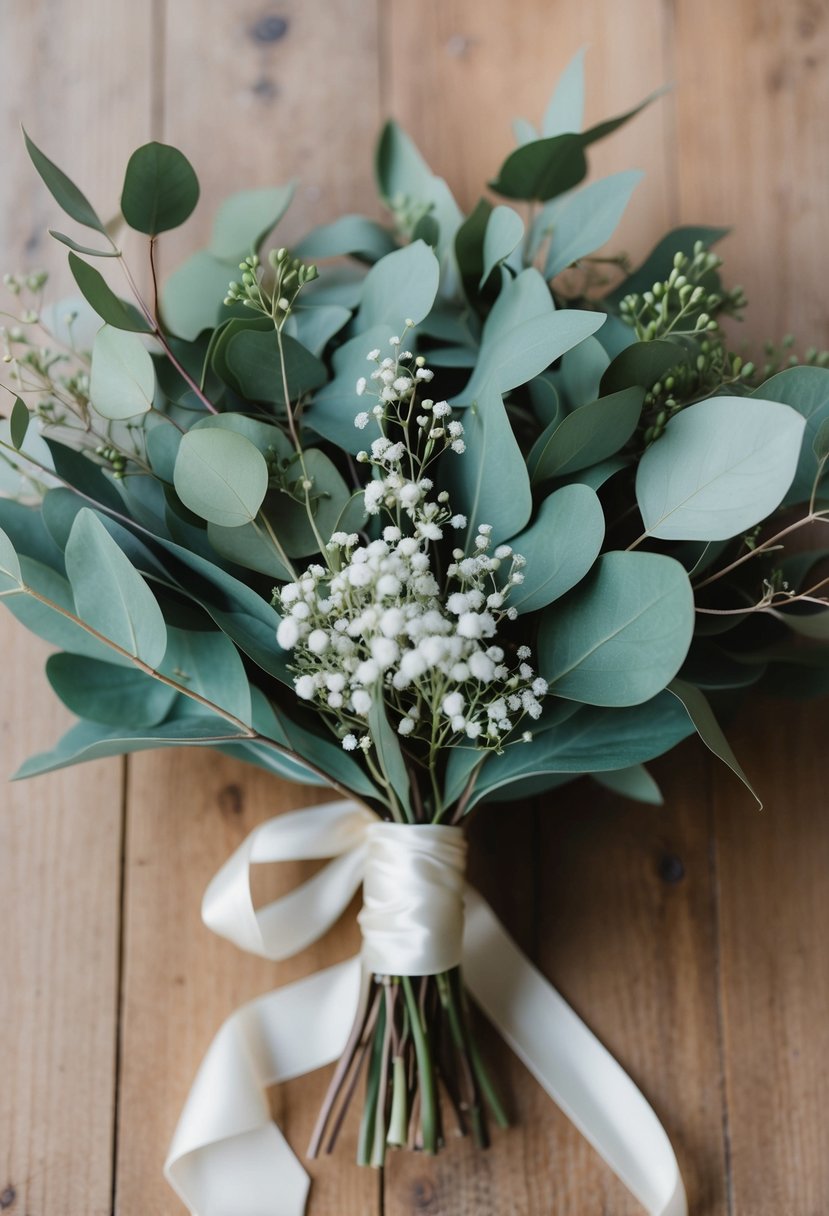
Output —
<point x="437" y="513"/>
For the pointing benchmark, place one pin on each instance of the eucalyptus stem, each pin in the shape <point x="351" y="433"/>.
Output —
<point x="425" y="1070"/>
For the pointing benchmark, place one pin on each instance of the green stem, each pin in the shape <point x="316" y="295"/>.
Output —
<point x="365" y="1139"/>
<point x="399" y="1120"/>
<point x="425" y="1071"/>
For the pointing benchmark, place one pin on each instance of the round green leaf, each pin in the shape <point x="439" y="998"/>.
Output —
<point x="220" y="476"/>
<point x="623" y="634"/>
<point x="122" y="382"/>
<point x="160" y="189"/>
<point x="560" y="546"/>
<point x="721" y="467"/>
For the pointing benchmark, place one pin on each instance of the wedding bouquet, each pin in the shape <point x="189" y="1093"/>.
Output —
<point x="435" y="513"/>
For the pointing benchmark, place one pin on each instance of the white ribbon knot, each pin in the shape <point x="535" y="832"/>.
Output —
<point x="228" y="1158"/>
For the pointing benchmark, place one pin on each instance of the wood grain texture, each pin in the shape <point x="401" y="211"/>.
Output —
<point x="60" y="836"/>
<point x="689" y="937"/>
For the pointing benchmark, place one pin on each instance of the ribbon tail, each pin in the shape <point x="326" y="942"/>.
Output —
<point x="570" y="1063"/>
<point x="228" y="1158"/>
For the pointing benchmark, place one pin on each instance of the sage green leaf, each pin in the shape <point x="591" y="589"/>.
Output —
<point x="592" y="740"/>
<point x="490" y="482"/>
<point x="122" y="381"/>
<point x="24" y="526"/>
<point x="597" y="474"/>
<point x="335" y="406"/>
<point x="581" y="222"/>
<point x="633" y="782"/>
<point x="546" y="403"/>
<point x="334" y="507"/>
<point x="659" y="262"/>
<point x="708" y="728"/>
<point x="469" y="247"/>
<point x="622" y="635"/>
<point x="820" y="446"/>
<point x="269" y="439"/>
<point x="314" y="327"/>
<point x="220" y="476"/>
<point x="88" y="250"/>
<point x="720" y="467"/>
<point x="65" y="193"/>
<point x="253" y="360"/>
<point x="160" y="189"/>
<point x="10" y="575"/>
<point x="93" y="741"/>
<point x="206" y="662"/>
<point x="162" y="442"/>
<point x="582" y="369"/>
<point x="560" y="546"/>
<point x="805" y="389"/>
<point x="250" y="546"/>
<point x="109" y="307"/>
<point x="504" y="232"/>
<point x="400" y="287"/>
<point x="18" y="422"/>
<point x="642" y="363"/>
<point x="350" y="234"/>
<point x="404" y="179"/>
<point x="110" y="595"/>
<point x="245" y="219"/>
<point x="108" y="693"/>
<point x="586" y="437"/>
<point x="192" y="297"/>
<point x="523" y="335"/>
<point x="524" y="131"/>
<point x="389" y="756"/>
<point x="49" y="620"/>
<point x="565" y="109"/>
<point x="82" y="474"/>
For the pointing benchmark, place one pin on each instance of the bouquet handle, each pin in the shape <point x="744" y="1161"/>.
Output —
<point x="227" y="1150"/>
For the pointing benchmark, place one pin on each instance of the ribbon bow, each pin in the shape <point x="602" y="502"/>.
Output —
<point x="228" y="1158"/>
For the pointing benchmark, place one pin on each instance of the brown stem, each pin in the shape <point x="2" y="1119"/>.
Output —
<point x="342" y="1068"/>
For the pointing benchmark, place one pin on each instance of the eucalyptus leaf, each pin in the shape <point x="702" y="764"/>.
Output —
<point x="206" y="662"/>
<point x="582" y="369"/>
<point x="160" y="189"/>
<point x="592" y="740"/>
<point x="19" y="422"/>
<point x="92" y="741"/>
<point x="580" y="223"/>
<point x="89" y="250"/>
<point x="350" y="234"/>
<point x="586" y="437"/>
<point x="622" y="635"/>
<point x="245" y="219"/>
<point x="220" y="476"/>
<point x="108" y="693"/>
<point x="10" y="575"/>
<point x="192" y="297"/>
<point x="389" y="755"/>
<point x="109" y="307"/>
<point x="720" y="467"/>
<point x="708" y="728"/>
<point x="565" y="109"/>
<point x="65" y="193"/>
<point x="490" y="482"/>
<point x="250" y="546"/>
<point x="659" y="262"/>
<point x="122" y="381"/>
<point x="314" y="327"/>
<point x="254" y="361"/>
<point x="400" y="287"/>
<point x="110" y="595"/>
<point x="560" y="546"/>
<point x="642" y="363"/>
<point x="504" y="232"/>
<point x="805" y="389"/>
<point x="404" y="178"/>
<point x="633" y="782"/>
<point x="25" y="528"/>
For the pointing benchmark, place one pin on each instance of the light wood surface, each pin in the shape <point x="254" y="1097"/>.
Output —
<point x="691" y="937"/>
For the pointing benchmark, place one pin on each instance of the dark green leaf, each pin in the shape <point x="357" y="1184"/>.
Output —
<point x="160" y="189"/>
<point x="389" y="755"/>
<point x="65" y="193"/>
<point x="589" y="435"/>
<point x="642" y="363"/>
<point x="659" y="262"/>
<point x="107" y="693"/>
<point x="86" y="249"/>
<point x="252" y="358"/>
<point x="708" y="728"/>
<point x="109" y="307"/>
<point x="18" y="422"/>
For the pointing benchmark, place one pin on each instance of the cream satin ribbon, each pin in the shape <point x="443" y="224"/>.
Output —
<point x="228" y="1158"/>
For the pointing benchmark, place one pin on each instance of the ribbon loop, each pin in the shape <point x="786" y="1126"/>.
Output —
<point x="413" y="887"/>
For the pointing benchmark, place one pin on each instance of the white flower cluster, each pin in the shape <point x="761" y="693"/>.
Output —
<point x="380" y="628"/>
<point x="378" y="625"/>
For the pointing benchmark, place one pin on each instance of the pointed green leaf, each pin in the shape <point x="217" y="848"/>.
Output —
<point x="352" y="235"/>
<point x="109" y="307"/>
<point x="504" y="232"/>
<point x="565" y="109"/>
<point x="107" y="693"/>
<point x="708" y="728"/>
<point x="583" y="221"/>
<point x="633" y="782"/>
<point x="18" y="422"/>
<point x="86" y="249"/>
<point x="110" y="595"/>
<point x="245" y="219"/>
<point x="490" y="478"/>
<point x="390" y="757"/>
<point x="10" y="576"/>
<point x="400" y="287"/>
<point x="589" y="435"/>
<point x="65" y="193"/>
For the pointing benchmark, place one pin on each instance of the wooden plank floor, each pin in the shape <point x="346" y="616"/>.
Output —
<point x="692" y="937"/>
